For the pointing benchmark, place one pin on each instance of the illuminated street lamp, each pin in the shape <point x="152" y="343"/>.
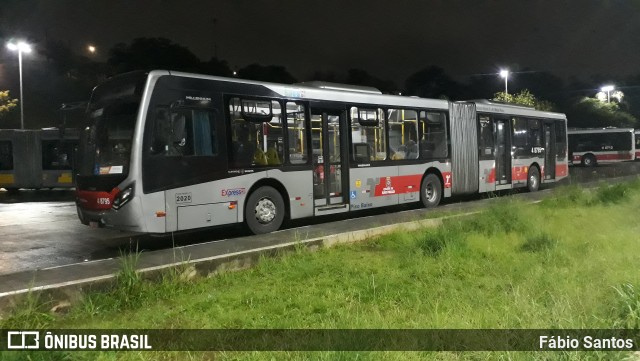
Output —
<point x="91" y="49"/>
<point x="505" y="74"/>
<point x="608" y="89"/>
<point x="20" y="47"/>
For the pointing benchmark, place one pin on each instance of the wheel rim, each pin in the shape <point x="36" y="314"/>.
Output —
<point x="587" y="161"/>
<point x="533" y="181"/>
<point x="265" y="210"/>
<point x="430" y="192"/>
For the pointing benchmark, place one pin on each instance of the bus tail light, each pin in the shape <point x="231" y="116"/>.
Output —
<point x="233" y="205"/>
<point x="123" y="197"/>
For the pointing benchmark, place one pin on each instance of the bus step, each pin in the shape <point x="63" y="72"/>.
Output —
<point x="331" y="207"/>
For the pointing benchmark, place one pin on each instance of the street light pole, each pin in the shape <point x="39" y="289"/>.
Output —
<point x="20" y="47"/>
<point x="505" y="75"/>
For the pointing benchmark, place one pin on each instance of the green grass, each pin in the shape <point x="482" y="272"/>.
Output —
<point x="568" y="262"/>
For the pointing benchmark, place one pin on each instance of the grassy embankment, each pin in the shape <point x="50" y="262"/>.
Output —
<point x="570" y="261"/>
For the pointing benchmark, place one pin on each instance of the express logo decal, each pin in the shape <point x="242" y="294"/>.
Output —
<point x="233" y="192"/>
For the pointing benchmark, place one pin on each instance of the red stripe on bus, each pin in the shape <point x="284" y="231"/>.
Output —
<point x="404" y="184"/>
<point x="519" y="173"/>
<point x="562" y="170"/>
<point x="96" y="201"/>
<point x="619" y="156"/>
<point x="397" y="185"/>
<point x="491" y="178"/>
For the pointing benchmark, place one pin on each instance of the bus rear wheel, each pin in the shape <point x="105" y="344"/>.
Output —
<point x="430" y="191"/>
<point x="589" y="160"/>
<point x="533" y="179"/>
<point x="264" y="210"/>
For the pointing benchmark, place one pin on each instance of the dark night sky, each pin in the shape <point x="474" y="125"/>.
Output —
<point x="389" y="39"/>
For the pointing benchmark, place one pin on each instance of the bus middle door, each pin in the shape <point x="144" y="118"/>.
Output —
<point x="549" y="151"/>
<point x="503" y="151"/>
<point x="329" y="165"/>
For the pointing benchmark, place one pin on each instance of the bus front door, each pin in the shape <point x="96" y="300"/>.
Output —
<point x="549" y="151"/>
<point x="503" y="152"/>
<point x="329" y="168"/>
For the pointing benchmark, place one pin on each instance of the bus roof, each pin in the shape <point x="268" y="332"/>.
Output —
<point x="324" y="91"/>
<point x="599" y="130"/>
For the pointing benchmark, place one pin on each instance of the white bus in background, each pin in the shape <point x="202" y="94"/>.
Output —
<point x="601" y="145"/>
<point x="637" y="138"/>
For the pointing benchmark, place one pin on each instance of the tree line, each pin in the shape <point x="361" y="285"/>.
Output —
<point x="62" y="76"/>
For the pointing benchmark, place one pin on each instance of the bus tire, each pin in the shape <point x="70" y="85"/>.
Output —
<point x="264" y="210"/>
<point x="588" y="160"/>
<point x="533" y="179"/>
<point x="430" y="191"/>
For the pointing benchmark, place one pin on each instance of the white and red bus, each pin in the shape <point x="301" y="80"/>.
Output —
<point x="601" y="145"/>
<point x="637" y="141"/>
<point x="166" y="151"/>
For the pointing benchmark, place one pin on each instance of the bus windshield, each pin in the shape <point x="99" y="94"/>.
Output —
<point x="111" y="118"/>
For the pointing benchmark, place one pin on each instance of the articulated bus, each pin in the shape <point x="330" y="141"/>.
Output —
<point x="37" y="158"/>
<point x="591" y="146"/>
<point x="165" y="151"/>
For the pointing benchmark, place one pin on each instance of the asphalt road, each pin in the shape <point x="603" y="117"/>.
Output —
<point x="40" y="229"/>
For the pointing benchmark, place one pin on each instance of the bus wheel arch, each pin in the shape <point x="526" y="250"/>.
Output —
<point x="266" y="207"/>
<point x="431" y="188"/>
<point x="534" y="177"/>
<point x="589" y="160"/>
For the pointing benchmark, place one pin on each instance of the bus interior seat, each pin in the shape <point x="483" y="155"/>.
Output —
<point x="412" y="150"/>
<point x="272" y="156"/>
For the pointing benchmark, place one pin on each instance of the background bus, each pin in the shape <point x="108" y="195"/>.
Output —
<point x="604" y="145"/>
<point x="37" y="159"/>
<point x="166" y="151"/>
<point x="637" y="140"/>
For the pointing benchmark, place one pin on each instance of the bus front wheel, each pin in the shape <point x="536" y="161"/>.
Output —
<point x="533" y="179"/>
<point x="264" y="211"/>
<point x="430" y="191"/>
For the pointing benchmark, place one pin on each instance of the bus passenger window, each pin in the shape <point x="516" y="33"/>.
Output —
<point x="296" y="133"/>
<point x="520" y="136"/>
<point x="257" y="137"/>
<point x="6" y="155"/>
<point x="367" y="127"/>
<point x="403" y="132"/>
<point x="433" y="143"/>
<point x="485" y="138"/>
<point x="535" y="133"/>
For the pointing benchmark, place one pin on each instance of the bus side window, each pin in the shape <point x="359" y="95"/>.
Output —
<point x="6" y="155"/>
<point x="520" y="136"/>
<point x="257" y="137"/>
<point x="184" y="132"/>
<point x="403" y="133"/>
<point x="367" y="127"/>
<point x="485" y="143"/>
<point x="161" y="132"/>
<point x="433" y="143"/>
<point x="296" y="130"/>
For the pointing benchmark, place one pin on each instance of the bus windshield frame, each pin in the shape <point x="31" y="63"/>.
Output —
<point x="107" y="138"/>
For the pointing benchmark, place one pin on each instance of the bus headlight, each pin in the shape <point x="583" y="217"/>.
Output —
<point x="123" y="197"/>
